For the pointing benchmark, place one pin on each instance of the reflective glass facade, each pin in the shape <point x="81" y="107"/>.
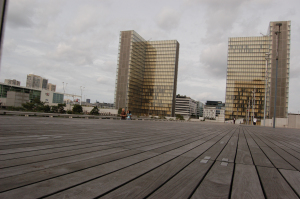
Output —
<point x="146" y="75"/>
<point x="247" y="72"/>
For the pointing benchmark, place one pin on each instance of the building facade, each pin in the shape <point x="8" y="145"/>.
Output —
<point x="146" y="80"/>
<point x="251" y="73"/>
<point x="35" y="81"/>
<point x="12" y="82"/>
<point x="214" y="110"/>
<point x="51" y="87"/>
<point x="11" y="95"/>
<point x="186" y="106"/>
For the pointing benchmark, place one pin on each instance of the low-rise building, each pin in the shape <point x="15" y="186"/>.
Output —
<point x="12" y="82"/>
<point x="214" y="110"/>
<point x="186" y="106"/>
<point x="11" y="95"/>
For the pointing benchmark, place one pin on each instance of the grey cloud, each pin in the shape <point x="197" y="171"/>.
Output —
<point x="9" y="46"/>
<point x="168" y="19"/>
<point x="20" y="14"/>
<point x="214" y="59"/>
<point x="68" y="53"/>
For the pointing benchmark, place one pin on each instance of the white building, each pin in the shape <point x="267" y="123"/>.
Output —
<point x="186" y="106"/>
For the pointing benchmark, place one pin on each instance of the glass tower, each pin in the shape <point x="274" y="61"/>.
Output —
<point x="251" y="72"/>
<point x="146" y="75"/>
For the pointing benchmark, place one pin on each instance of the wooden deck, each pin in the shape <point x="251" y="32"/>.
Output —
<point x="92" y="158"/>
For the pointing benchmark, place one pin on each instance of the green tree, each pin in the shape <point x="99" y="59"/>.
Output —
<point x="61" y="108"/>
<point x="179" y="117"/>
<point x="77" y="108"/>
<point x="94" y="111"/>
<point x="46" y="108"/>
<point x="119" y="111"/>
<point x="54" y="109"/>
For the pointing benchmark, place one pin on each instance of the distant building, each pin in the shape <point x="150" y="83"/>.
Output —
<point x="200" y="108"/>
<point x="11" y="95"/>
<point x="146" y="79"/>
<point x="214" y="110"/>
<point x="88" y="100"/>
<point x="251" y="74"/>
<point x="51" y="87"/>
<point x="12" y="82"/>
<point x="186" y="106"/>
<point x="35" y="81"/>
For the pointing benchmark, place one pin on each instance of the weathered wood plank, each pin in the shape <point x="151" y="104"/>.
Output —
<point x="243" y="155"/>
<point x="274" y="184"/>
<point x="293" y="178"/>
<point x="229" y="151"/>
<point x="216" y="183"/>
<point x="246" y="183"/>
<point x="183" y="184"/>
<point x="258" y="156"/>
<point x="144" y="185"/>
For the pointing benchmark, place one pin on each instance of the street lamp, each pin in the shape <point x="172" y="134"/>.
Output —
<point x="266" y="74"/>
<point x="81" y="88"/>
<point x="277" y="55"/>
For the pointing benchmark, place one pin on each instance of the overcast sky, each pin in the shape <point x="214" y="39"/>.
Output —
<point x="76" y="41"/>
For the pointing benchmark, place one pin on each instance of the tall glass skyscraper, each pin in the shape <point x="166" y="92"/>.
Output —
<point x="251" y="72"/>
<point x="146" y="75"/>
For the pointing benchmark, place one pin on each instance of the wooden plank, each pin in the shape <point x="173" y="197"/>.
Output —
<point x="183" y="184"/>
<point x="144" y="185"/>
<point x="274" y="184"/>
<point x="11" y="171"/>
<point x="243" y="155"/>
<point x="229" y="151"/>
<point x="47" y="157"/>
<point x="216" y="183"/>
<point x="53" y="185"/>
<point x="293" y="178"/>
<point x="41" y="175"/>
<point x="246" y="183"/>
<point x="215" y="150"/>
<point x="283" y="154"/>
<point x="258" y="156"/>
<point x="118" y="178"/>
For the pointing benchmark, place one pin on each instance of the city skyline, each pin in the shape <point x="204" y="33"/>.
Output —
<point x="65" y="41"/>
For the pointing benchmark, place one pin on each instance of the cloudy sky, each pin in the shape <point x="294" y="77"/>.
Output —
<point x="76" y="41"/>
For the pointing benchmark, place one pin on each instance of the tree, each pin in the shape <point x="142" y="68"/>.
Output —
<point x="77" y="108"/>
<point x="61" y="108"/>
<point x="94" y="111"/>
<point x="119" y="111"/>
<point x="179" y="117"/>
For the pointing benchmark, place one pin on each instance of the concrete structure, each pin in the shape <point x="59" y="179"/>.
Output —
<point x="186" y="106"/>
<point x="12" y="82"/>
<point x="293" y="121"/>
<point x="251" y="72"/>
<point x="51" y="87"/>
<point x="16" y="99"/>
<point x="88" y="100"/>
<point x="49" y="97"/>
<point x="146" y="80"/>
<point x="37" y="82"/>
